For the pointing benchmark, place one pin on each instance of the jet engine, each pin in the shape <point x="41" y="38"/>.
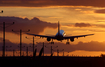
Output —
<point x="71" y="39"/>
<point x="48" y="39"/>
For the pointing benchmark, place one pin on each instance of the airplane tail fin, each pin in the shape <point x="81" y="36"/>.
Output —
<point x="58" y="28"/>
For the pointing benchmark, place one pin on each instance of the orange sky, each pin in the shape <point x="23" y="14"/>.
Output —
<point x="68" y="17"/>
<point x="74" y="19"/>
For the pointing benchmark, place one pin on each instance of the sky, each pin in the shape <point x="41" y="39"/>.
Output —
<point x="76" y="17"/>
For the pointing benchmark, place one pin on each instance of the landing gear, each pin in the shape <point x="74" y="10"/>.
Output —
<point x="52" y="42"/>
<point x="67" y="41"/>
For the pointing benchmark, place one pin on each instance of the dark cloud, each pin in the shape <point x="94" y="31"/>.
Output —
<point x="88" y="46"/>
<point x="102" y="26"/>
<point x="35" y="25"/>
<point x="82" y="25"/>
<point x="9" y="46"/>
<point x="91" y="46"/>
<point x="100" y="11"/>
<point x="87" y="25"/>
<point x="40" y="3"/>
<point x="96" y="30"/>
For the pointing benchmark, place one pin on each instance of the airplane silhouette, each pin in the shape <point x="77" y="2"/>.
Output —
<point x="60" y="36"/>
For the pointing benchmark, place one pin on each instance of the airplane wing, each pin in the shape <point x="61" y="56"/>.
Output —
<point x="53" y="37"/>
<point x="68" y="37"/>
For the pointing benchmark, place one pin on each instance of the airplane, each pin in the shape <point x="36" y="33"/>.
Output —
<point x="60" y="36"/>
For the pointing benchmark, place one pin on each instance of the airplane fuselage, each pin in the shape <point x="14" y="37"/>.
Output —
<point x="60" y="35"/>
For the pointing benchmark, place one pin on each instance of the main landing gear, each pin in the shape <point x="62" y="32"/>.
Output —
<point x="52" y="42"/>
<point x="67" y="42"/>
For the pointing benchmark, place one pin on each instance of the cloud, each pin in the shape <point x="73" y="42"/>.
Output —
<point x="85" y="27"/>
<point x="9" y="46"/>
<point x="91" y="46"/>
<point x="40" y="3"/>
<point x="102" y="26"/>
<point x="88" y="25"/>
<point x="100" y="11"/>
<point x="88" y="46"/>
<point x="82" y="25"/>
<point x="35" y="25"/>
<point x="96" y="30"/>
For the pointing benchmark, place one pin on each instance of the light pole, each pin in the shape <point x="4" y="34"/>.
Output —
<point x="4" y="26"/>
<point x="57" y="52"/>
<point x="52" y="49"/>
<point x="20" y="38"/>
<point x="60" y="50"/>
<point x="43" y="48"/>
<point x="27" y="51"/>
<point x="33" y="44"/>
<point x="13" y="52"/>
<point x="21" y="48"/>
<point x="30" y="47"/>
<point x="63" y="52"/>
<point x="8" y="47"/>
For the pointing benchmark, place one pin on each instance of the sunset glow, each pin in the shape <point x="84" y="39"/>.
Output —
<point x="41" y="17"/>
